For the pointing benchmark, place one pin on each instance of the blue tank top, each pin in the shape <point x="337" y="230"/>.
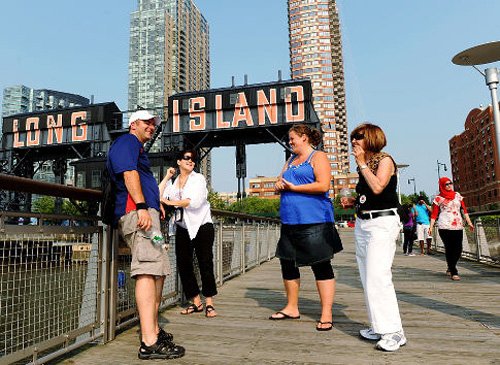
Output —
<point x="302" y="208"/>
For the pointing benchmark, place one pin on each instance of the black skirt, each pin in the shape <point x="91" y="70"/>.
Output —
<point x="307" y="244"/>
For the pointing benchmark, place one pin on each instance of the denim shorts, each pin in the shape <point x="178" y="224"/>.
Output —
<point x="307" y="244"/>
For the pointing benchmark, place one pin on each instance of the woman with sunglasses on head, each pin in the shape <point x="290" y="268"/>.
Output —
<point x="376" y="230"/>
<point x="194" y="231"/>
<point x="447" y="206"/>
<point x="307" y="232"/>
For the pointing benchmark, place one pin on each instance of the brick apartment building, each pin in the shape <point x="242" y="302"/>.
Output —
<point x="474" y="161"/>
<point x="263" y="187"/>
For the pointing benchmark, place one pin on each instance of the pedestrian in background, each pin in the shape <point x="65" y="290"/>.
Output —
<point x="376" y="231"/>
<point x="409" y="227"/>
<point x="308" y="235"/>
<point x="137" y="212"/>
<point x="422" y="213"/>
<point x="194" y="232"/>
<point x="446" y="208"/>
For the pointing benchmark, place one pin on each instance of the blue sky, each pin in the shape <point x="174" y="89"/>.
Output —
<point x="397" y="57"/>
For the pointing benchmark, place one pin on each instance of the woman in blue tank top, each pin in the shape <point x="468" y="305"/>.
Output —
<point x="308" y="235"/>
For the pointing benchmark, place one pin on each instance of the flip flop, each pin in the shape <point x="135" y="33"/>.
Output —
<point x="209" y="309"/>
<point x="283" y="316"/>
<point x="192" y="308"/>
<point x="324" y="328"/>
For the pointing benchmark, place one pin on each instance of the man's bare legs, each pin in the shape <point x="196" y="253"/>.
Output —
<point x="159" y="281"/>
<point x="146" y="299"/>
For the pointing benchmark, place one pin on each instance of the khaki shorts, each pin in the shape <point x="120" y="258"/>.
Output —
<point x="423" y="232"/>
<point x="147" y="258"/>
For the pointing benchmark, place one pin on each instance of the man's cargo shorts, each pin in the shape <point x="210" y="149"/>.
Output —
<point x="147" y="258"/>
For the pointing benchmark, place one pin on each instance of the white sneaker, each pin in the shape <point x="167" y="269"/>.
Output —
<point x="391" y="341"/>
<point x="368" y="334"/>
<point x="411" y="254"/>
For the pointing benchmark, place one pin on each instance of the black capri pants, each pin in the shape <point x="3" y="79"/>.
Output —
<point x="202" y="246"/>
<point x="322" y="270"/>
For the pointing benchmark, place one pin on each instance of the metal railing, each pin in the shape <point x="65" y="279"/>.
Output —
<point x="482" y="245"/>
<point x="63" y="284"/>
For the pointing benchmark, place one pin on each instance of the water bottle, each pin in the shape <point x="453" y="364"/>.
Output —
<point x="157" y="238"/>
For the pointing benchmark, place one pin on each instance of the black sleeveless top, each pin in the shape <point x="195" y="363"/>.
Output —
<point x="367" y="199"/>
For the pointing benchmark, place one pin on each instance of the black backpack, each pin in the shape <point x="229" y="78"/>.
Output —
<point x="108" y="200"/>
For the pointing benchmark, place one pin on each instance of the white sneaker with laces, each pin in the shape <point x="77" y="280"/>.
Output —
<point x="391" y="341"/>
<point x="368" y="334"/>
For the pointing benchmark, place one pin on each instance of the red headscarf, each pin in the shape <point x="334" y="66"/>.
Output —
<point x="447" y="194"/>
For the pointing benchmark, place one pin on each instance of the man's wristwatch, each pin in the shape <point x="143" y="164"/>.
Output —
<point x="362" y="167"/>
<point x="140" y="206"/>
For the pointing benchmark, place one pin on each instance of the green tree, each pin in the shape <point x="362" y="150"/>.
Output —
<point x="44" y="204"/>
<point x="216" y="202"/>
<point x="258" y="206"/>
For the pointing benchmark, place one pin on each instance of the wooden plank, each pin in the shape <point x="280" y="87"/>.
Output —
<point x="446" y="322"/>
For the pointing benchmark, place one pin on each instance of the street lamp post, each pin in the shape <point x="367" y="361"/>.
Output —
<point x="414" y="185"/>
<point x="399" y="168"/>
<point x="444" y="168"/>
<point x="480" y="55"/>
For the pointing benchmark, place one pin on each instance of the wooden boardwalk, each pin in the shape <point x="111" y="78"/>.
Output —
<point x="446" y="322"/>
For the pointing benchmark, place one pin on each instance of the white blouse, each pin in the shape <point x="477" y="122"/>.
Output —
<point x="197" y="213"/>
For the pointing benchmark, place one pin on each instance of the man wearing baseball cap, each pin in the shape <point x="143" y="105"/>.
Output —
<point x="137" y="213"/>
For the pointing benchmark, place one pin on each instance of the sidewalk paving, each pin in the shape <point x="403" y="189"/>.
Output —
<point x="446" y="322"/>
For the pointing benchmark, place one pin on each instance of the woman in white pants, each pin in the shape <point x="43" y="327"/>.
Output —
<point x="377" y="228"/>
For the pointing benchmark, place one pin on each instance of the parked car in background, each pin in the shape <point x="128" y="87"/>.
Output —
<point x="351" y="224"/>
<point x="342" y="224"/>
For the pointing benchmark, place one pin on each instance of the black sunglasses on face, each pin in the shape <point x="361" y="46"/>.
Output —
<point x="448" y="183"/>
<point x="358" y="136"/>
<point x="187" y="158"/>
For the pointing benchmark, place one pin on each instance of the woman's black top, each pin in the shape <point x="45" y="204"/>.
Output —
<point x="367" y="199"/>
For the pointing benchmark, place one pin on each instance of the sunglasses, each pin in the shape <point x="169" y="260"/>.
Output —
<point x="358" y="136"/>
<point x="448" y="183"/>
<point x="187" y="158"/>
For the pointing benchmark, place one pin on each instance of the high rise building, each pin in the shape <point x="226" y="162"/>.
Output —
<point x="474" y="161"/>
<point x="23" y="99"/>
<point x="316" y="54"/>
<point x="169" y="53"/>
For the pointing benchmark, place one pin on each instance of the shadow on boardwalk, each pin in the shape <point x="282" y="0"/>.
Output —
<point x="446" y="322"/>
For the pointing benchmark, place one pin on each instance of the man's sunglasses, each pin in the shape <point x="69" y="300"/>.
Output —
<point x="358" y="136"/>
<point x="187" y="158"/>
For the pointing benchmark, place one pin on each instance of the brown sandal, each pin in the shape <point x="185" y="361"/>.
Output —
<point x="192" y="308"/>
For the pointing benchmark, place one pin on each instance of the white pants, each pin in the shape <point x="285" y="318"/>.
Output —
<point x="375" y="249"/>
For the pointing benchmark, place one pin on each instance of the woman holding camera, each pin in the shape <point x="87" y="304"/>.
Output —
<point x="377" y="228"/>
<point x="194" y="231"/>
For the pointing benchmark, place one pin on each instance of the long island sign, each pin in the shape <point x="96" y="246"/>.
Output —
<point x="222" y="116"/>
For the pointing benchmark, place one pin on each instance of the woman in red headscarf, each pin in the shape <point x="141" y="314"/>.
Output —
<point x="447" y="206"/>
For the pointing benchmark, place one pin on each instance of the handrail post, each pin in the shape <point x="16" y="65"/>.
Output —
<point x="478" y="223"/>
<point x="220" y="254"/>
<point x="104" y="282"/>
<point x="243" y="253"/>
<point x="258" y="243"/>
<point x="113" y="285"/>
